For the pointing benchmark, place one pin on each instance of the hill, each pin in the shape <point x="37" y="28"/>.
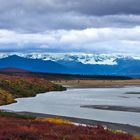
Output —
<point x="10" y="69"/>
<point x="12" y="87"/>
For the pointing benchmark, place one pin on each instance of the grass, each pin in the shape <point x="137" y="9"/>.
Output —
<point x="15" y="115"/>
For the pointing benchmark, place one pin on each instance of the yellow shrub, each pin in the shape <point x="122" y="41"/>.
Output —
<point x="136" y="138"/>
<point x="56" y="120"/>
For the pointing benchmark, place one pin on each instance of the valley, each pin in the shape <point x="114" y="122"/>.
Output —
<point x="17" y="84"/>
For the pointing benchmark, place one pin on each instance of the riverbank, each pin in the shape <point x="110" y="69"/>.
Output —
<point x="133" y="130"/>
<point x="97" y="83"/>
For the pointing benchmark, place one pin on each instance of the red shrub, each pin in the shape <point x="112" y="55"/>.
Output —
<point x="20" y="129"/>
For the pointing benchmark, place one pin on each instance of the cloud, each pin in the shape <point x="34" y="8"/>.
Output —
<point x="98" y="40"/>
<point x="102" y="26"/>
<point x="42" y="15"/>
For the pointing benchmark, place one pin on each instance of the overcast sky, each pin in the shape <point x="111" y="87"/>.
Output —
<point x="95" y="26"/>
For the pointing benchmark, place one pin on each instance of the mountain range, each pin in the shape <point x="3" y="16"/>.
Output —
<point x="86" y="64"/>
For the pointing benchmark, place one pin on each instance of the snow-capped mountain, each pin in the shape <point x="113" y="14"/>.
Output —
<point x="101" y="59"/>
<point x="73" y="63"/>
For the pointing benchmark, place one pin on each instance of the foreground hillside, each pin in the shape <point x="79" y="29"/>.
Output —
<point x="12" y="87"/>
<point x="17" y="127"/>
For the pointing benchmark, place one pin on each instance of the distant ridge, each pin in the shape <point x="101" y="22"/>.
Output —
<point x="127" y="67"/>
<point x="34" y="65"/>
<point x="11" y="69"/>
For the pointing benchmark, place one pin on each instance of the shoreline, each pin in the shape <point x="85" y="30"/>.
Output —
<point x="133" y="130"/>
<point x="98" y="83"/>
<point x="96" y="86"/>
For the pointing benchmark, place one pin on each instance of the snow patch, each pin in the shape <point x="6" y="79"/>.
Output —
<point x="101" y="59"/>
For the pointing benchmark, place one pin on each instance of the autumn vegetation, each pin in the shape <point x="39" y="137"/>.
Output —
<point x="12" y="87"/>
<point x="18" y="127"/>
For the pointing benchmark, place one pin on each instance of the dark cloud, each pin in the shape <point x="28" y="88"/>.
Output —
<point x="109" y="7"/>
<point x="42" y="15"/>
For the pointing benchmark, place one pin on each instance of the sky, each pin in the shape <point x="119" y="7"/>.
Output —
<point x="90" y="26"/>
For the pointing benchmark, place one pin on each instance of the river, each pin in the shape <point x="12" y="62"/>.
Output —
<point x="68" y="103"/>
